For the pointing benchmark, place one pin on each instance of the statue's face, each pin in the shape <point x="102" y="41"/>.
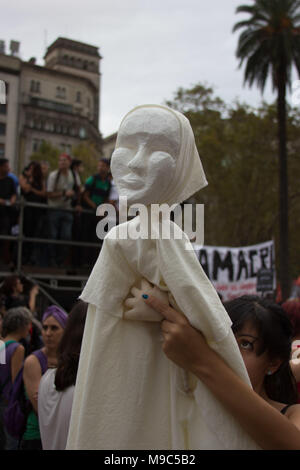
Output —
<point x="143" y="164"/>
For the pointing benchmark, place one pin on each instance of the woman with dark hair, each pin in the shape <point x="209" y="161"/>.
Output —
<point x="267" y="412"/>
<point x="36" y="364"/>
<point x="15" y="327"/>
<point x="33" y="189"/>
<point x="56" y="388"/>
<point x="274" y="338"/>
<point x="12" y="289"/>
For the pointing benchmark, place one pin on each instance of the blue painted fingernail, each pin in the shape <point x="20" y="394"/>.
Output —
<point x="145" y="296"/>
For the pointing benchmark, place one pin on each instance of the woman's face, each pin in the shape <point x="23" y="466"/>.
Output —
<point x="257" y="366"/>
<point x="52" y="332"/>
<point x="143" y="164"/>
<point x="19" y="287"/>
<point x="63" y="163"/>
<point x="45" y="169"/>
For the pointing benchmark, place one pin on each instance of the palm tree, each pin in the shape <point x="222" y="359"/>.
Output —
<point x="270" y="45"/>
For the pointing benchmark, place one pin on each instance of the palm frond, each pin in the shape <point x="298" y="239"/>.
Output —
<point x="269" y="39"/>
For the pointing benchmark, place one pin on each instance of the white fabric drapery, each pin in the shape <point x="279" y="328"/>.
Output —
<point x="128" y="395"/>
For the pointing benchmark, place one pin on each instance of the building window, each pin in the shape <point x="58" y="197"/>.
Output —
<point x="60" y="92"/>
<point x="49" y="126"/>
<point x="78" y="97"/>
<point x="3" y="108"/>
<point x="2" y="128"/>
<point x="35" y="86"/>
<point x="2" y="150"/>
<point x="35" y="145"/>
<point x="3" y="96"/>
<point x="3" y="92"/>
<point x="66" y="148"/>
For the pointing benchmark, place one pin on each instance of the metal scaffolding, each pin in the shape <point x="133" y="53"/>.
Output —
<point x="39" y="276"/>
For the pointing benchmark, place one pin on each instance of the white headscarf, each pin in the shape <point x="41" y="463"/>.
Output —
<point x="189" y="175"/>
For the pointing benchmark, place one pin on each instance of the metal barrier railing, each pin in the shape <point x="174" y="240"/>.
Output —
<point x="20" y="239"/>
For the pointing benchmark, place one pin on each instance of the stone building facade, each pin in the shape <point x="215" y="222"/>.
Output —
<point x="108" y="145"/>
<point x="57" y="103"/>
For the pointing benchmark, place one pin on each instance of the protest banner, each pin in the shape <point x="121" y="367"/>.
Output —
<point x="234" y="271"/>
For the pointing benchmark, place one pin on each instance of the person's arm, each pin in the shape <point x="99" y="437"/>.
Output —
<point x="188" y="348"/>
<point x="87" y="200"/>
<point x="57" y="194"/>
<point x="25" y="186"/>
<point x="54" y="194"/>
<point x="88" y="189"/>
<point x="17" y="361"/>
<point x="32" y="297"/>
<point x="51" y="194"/>
<point x="39" y="192"/>
<point x="32" y="375"/>
<point x="13" y="199"/>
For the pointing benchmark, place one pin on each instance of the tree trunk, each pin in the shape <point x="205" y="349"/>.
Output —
<point x="284" y="275"/>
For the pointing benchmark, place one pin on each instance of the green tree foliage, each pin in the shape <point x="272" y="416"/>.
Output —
<point x="238" y="148"/>
<point x="47" y="152"/>
<point x="85" y="151"/>
<point x="269" y="44"/>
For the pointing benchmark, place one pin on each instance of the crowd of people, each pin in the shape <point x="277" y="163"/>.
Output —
<point x="70" y="214"/>
<point x="268" y="336"/>
<point x="41" y="352"/>
<point x="46" y="404"/>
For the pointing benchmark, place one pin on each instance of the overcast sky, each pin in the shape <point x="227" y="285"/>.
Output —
<point x="150" y="48"/>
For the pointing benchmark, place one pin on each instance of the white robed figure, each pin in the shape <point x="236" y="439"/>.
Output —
<point x="128" y="395"/>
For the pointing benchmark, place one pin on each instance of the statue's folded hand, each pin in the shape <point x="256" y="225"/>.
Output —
<point x="136" y="309"/>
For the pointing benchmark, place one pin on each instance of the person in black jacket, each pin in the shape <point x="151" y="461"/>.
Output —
<point x="8" y="198"/>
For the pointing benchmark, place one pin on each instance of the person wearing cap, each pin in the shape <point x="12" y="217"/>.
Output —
<point x="36" y="364"/>
<point x="61" y="187"/>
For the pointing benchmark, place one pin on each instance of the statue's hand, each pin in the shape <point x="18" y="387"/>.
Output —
<point x="135" y="307"/>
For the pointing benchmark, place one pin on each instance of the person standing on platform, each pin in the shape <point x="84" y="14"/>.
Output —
<point x="61" y="190"/>
<point x="97" y="190"/>
<point x="8" y="198"/>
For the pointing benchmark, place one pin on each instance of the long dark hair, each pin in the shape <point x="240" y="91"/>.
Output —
<point x="9" y="285"/>
<point x="292" y="309"/>
<point x="69" y="347"/>
<point x="37" y="176"/>
<point x="275" y="336"/>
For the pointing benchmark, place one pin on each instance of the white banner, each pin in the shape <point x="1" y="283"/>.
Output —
<point x="233" y="271"/>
